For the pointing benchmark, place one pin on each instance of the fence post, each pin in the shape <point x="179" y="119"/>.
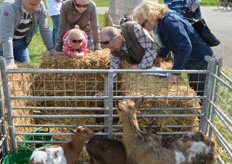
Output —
<point x="208" y="93"/>
<point x="7" y="102"/>
<point x="3" y="140"/>
<point x="108" y="90"/>
<point x="216" y="93"/>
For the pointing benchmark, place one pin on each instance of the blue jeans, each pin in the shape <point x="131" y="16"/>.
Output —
<point x="20" y="51"/>
<point x="90" y="42"/>
<point x="55" y="20"/>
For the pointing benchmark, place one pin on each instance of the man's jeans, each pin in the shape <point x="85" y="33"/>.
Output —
<point x="55" y="20"/>
<point x="90" y="42"/>
<point x="20" y="50"/>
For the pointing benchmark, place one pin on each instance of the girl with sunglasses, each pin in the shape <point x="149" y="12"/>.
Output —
<point x="75" y="43"/>
<point x="82" y="13"/>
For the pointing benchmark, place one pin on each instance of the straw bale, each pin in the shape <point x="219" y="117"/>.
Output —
<point x="92" y="61"/>
<point x="84" y="84"/>
<point x="145" y="85"/>
<point x="69" y="84"/>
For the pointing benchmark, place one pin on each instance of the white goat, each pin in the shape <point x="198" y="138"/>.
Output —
<point x="66" y="153"/>
<point x="148" y="148"/>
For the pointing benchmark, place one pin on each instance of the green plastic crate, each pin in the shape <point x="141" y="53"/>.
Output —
<point x="18" y="156"/>
<point x="37" y="138"/>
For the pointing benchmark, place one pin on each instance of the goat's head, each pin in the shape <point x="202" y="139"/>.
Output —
<point x="83" y="133"/>
<point x="128" y="106"/>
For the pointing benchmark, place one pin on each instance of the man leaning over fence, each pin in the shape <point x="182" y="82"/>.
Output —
<point x="131" y="43"/>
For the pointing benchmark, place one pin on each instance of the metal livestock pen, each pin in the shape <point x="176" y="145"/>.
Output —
<point x="30" y="120"/>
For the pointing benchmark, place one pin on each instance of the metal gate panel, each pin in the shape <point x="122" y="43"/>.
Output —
<point x="56" y="103"/>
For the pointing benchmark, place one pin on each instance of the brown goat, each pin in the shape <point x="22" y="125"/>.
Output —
<point x="106" y="151"/>
<point x="66" y="153"/>
<point x="150" y="148"/>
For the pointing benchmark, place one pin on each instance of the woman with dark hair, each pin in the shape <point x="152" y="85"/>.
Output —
<point x="82" y="13"/>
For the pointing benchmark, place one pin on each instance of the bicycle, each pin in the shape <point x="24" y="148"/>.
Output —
<point x="225" y="4"/>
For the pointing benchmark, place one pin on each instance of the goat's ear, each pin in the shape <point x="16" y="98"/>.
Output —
<point x="139" y="102"/>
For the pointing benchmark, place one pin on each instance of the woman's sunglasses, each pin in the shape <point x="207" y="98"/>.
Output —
<point x="79" y="5"/>
<point x="77" y="41"/>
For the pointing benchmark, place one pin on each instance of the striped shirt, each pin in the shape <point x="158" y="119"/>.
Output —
<point x="24" y="26"/>
<point x="147" y="42"/>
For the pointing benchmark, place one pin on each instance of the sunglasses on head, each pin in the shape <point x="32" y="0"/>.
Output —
<point x="144" y="23"/>
<point x="79" y="5"/>
<point x="108" y="41"/>
<point x="77" y="41"/>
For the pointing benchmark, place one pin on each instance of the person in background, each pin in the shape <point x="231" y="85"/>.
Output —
<point x="173" y="33"/>
<point x="179" y="6"/>
<point x="17" y="27"/>
<point x="82" y="13"/>
<point x="54" y="12"/>
<point x="131" y="43"/>
<point x="75" y="43"/>
<point x="193" y="11"/>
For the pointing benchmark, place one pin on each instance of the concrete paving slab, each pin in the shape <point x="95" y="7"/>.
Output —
<point x="220" y="22"/>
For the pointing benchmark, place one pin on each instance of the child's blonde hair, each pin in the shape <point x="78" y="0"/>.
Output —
<point x="75" y="33"/>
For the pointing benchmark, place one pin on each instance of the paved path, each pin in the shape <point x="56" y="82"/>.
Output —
<point x="220" y="22"/>
<point x="102" y="10"/>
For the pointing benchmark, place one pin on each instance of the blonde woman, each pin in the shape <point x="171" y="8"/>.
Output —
<point x="175" y="34"/>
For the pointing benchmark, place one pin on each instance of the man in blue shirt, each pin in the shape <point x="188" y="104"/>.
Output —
<point x="179" y="6"/>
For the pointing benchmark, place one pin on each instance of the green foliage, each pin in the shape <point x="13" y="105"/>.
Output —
<point x="36" y="49"/>
<point x="102" y="3"/>
<point x="101" y="20"/>
<point x="209" y="2"/>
